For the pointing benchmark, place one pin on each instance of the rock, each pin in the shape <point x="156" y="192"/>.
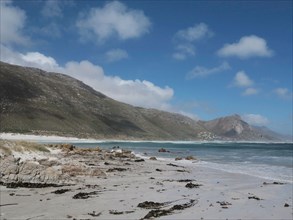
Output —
<point x="190" y="158"/>
<point x="97" y="172"/>
<point x="163" y="150"/>
<point x="191" y="185"/>
<point x="150" y="205"/>
<point x="9" y="165"/>
<point x="48" y="163"/>
<point x="65" y="147"/>
<point x="254" y="197"/>
<point x="94" y="214"/>
<point x="116" y="169"/>
<point x="73" y="170"/>
<point x="173" y="165"/>
<point x="224" y="203"/>
<point x="157" y="213"/>
<point x="178" y="158"/>
<point x="153" y="158"/>
<point x="30" y="174"/>
<point x="115" y="212"/>
<point x="273" y="183"/>
<point x="286" y="205"/>
<point x="183" y="206"/>
<point x="83" y="195"/>
<point x="61" y="191"/>
<point x="184" y="180"/>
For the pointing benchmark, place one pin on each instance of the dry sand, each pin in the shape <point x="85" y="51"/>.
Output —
<point x="215" y="194"/>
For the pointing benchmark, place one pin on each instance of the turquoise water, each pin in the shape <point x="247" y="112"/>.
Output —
<point x="273" y="161"/>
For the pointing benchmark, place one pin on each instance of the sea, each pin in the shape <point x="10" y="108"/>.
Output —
<point x="272" y="161"/>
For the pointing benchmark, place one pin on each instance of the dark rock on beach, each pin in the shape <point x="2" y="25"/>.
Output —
<point x="192" y="185"/>
<point x="150" y="205"/>
<point x="61" y="191"/>
<point x="84" y="195"/>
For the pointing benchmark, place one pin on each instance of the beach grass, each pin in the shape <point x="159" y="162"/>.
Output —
<point x="21" y="146"/>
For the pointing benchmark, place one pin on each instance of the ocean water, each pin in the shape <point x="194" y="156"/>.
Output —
<point x="273" y="161"/>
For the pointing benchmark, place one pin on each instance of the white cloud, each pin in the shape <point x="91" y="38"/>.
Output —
<point x="32" y="59"/>
<point x="197" y="32"/>
<point x="12" y="20"/>
<point x="52" y="8"/>
<point x="116" y="55"/>
<point x="40" y="59"/>
<point x="183" y="51"/>
<point x="114" y="19"/>
<point x="283" y="93"/>
<point x="200" y="71"/>
<point x="179" y="56"/>
<point x="250" y="91"/>
<point x="255" y="119"/>
<point x="248" y="46"/>
<point x="136" y="92"/>
<point x="185" y="39"/>
<point x="242" y="80"/>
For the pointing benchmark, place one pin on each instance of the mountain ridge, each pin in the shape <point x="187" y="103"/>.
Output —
<point x="40" y="102"/>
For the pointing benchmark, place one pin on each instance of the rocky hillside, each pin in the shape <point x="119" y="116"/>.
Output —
<point x="39" y="102"/>
<point x="234" y="128"/>
<point x="35" y="101"/>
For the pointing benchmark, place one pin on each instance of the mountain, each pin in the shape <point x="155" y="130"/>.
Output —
<point x="35" y="101"/>
<point x="39" y="102"/>
<point x="234" y="128"/>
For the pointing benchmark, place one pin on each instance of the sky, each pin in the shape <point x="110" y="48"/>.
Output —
<point x="203" y="59"/>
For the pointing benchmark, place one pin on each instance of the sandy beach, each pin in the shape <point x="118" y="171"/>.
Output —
<point x="116" y="184"/>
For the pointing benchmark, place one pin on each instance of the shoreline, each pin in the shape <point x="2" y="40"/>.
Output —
<point x="112" y="184"/>
<point x="61" y="139"/>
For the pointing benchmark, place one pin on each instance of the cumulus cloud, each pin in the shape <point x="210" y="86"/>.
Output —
<point x="114" y="19"/>
<point x="183" y="51"/>
<point x="246" y="47"/>
<point x="186" y="38"/>
<point x="241" y="79"/>
<point x="12" y="24"/>
<point x="195" y="33"/>
<point x="116" y="55"/>
<point x="32" y="59"/>
<point x="283" y="93"/>
<point x="52" y="8"/>
<point x="200" y="71"/>
<point x="255" y="119"/>
<point x="250" y="91"/>
<point x="179" y="56"/>
<point x="136" y="92"/>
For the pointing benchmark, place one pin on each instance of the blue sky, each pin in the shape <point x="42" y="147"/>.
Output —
<point x="204" y="59"/>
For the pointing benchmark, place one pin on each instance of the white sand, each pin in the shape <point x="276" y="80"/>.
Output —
<point x="123" y="191"/>
<point x="42" y="138"/>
